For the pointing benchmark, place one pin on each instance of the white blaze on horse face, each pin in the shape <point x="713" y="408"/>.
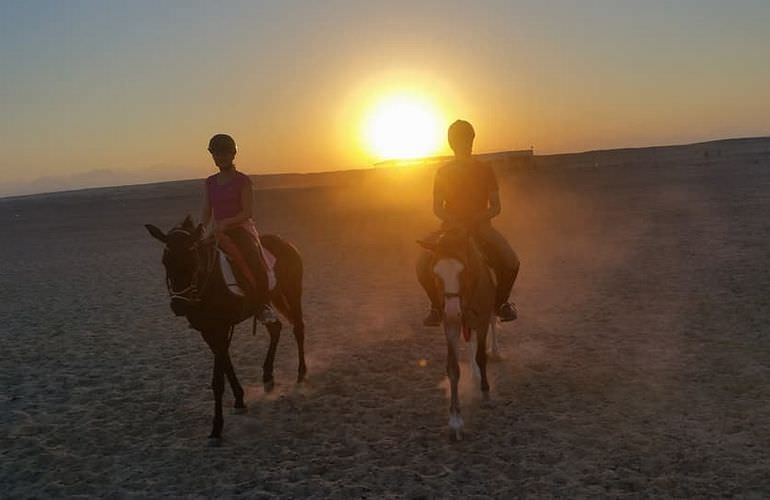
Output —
<point x="449" y="271"/>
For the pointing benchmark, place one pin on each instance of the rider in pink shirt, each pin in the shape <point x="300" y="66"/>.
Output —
<point x="228" y="206"/>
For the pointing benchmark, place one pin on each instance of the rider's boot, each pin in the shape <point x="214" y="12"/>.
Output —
<point x="433" y="318"/>
<point x="507" y="312"/>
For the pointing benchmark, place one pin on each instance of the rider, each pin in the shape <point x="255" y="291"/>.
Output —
<point x="466" y="194"/>
<point x="227" y="204"/>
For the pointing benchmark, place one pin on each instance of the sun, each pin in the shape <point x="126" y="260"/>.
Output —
<point x="402" y="126"/>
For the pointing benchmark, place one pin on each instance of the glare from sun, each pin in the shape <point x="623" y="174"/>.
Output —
<point x="403" y="126"/>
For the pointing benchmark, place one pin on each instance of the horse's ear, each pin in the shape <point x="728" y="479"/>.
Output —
<point x="187" y="223"/>
<point x="427" y="245"/>
<point x="156" y="233"/>
<point x="196" y="235"/>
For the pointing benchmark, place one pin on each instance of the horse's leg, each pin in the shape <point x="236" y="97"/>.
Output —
<point x="216" y="340"/>
<point x="294" y="300"/>
<point x="452" y="314"/>
<point x="474" y="356"/>
<point x="453" y="372"/>
<point x="235" y="385"/>
<point x="494" y="346"/>
<point x="481" y="359"/>
<point x="267" y="369"/>
<point x="219" y="343"/>
<point x="299" y="336"/>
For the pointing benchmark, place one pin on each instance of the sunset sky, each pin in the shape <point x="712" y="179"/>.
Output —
<point x="141" y="86"/>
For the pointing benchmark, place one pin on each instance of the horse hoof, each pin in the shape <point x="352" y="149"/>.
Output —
<point x="269" y="385"/>
<point x="215" y="441"/>
<point x="240" y="410"/>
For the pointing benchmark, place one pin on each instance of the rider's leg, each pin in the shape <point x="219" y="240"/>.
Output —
<point x="250" y="252"/>
<point x="503" y="259"/>
<point x="240" y="267"/>
<point x="428" y="282"/>
<point x="427" y="279"/>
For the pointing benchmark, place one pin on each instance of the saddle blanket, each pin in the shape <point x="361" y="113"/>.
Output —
<point x="229" y="276"/>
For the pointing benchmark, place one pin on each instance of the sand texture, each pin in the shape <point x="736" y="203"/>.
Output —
<point x="639" y="367"/>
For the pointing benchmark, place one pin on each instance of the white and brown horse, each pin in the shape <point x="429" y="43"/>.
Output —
<point x="467" y="288"/>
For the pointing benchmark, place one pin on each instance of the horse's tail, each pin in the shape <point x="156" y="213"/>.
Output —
<point x="287" y="298"/>
<point x="280" y="303"/>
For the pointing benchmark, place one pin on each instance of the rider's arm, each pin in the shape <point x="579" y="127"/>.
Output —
<point x="493" y="209"/>
<point x="439" y="200"/>
<point x="494" y="204"/>
<point x="493" y="198"/>
<point x="246" y="211"/>
<point x="439" y="208"/>
<point x="206" y="210"/>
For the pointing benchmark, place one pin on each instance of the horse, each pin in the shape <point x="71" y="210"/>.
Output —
<point x="198" y="290"/>
<point x="465" y="283"/>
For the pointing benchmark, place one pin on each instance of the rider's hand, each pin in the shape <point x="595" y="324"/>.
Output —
<point x="479" y="219"/>
<point x="219" y="229"/>
<point x="452" y="222"/>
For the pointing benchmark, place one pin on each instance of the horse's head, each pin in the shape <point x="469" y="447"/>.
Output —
<point x="182" y="262"/>
<point x="451" y="265"/>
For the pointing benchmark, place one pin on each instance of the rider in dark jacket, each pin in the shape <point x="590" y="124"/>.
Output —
<point x="466" y="194"/>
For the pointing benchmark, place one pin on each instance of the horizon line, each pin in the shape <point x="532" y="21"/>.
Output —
<point x="394" y="160"/>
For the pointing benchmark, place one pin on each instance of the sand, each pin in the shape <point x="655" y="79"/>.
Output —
<point x="639" y="366"/>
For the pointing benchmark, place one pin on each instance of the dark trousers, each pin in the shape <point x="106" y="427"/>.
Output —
<point x="248" y="247"/>
<point x="501" y="257"/>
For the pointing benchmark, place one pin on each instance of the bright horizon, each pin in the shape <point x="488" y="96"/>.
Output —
<point x="140" y="87"/>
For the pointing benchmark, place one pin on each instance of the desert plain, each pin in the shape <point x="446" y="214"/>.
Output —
<point x="639" y="365"/>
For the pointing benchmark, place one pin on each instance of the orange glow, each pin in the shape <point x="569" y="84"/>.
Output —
<point x="403" y="125"/>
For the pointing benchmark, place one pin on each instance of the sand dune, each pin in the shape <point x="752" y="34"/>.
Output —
<point x="639" y="365"/>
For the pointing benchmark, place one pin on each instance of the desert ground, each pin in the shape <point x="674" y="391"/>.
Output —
<point x="639" y="365"/>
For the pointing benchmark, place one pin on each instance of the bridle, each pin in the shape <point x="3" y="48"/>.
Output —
<point x="192" y="293"/>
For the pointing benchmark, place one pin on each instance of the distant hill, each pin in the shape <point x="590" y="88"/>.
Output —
<point x="755" y="149"/>
<point x="758" y="147"/>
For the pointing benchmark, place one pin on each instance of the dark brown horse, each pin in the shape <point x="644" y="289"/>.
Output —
<point x="198" y="291"/>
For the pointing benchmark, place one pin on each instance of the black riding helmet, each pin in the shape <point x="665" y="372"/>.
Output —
<point x="461" y="135"/>
<point x="222" y="143"/>
<point x="460" y="130"/>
